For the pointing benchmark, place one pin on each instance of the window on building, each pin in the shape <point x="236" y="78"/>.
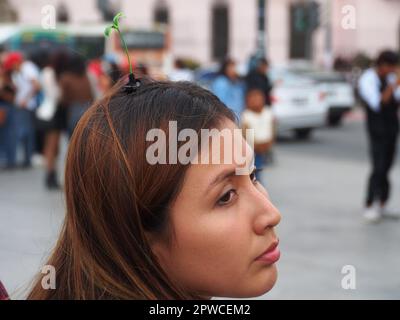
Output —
<point x="161" y="14"/>
<point x="220" y="31"/>
<point x="107" y="9"/>
<point x="7" y="12"/>
<point x="299" y="37"/>
<point x="62" y="13"/>
<point x="304" y="20"/>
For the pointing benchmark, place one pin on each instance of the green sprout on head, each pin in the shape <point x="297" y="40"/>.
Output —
<point x="115" y="26"/>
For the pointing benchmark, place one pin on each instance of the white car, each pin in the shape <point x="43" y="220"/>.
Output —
<point x="298" y="103"/>
<point x="339" y="94"/>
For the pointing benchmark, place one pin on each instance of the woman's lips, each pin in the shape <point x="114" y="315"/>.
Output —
<point x="271" y="255"/>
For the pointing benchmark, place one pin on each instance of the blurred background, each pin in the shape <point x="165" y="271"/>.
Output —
<point x="55" y="61"/>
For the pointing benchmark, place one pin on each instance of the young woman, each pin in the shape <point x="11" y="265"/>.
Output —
<point x="135" y="230"/>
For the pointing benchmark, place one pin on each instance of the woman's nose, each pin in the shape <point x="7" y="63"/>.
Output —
<point x="267" y="215"/>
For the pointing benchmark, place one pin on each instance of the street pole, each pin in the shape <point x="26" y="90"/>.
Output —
<point x="309" y="32"/>
<point x="261" y="32"/>
<point x="328" y="35"/>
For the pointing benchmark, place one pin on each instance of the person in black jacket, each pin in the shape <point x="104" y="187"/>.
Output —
<point x="379" y="90"/>
<point x="258" y="79"/>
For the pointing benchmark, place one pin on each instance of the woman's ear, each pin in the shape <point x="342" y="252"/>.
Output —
<point x="157" y="246"/>
<point x="150" y="237"/>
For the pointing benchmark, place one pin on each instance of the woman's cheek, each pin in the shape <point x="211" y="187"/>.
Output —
<point x="215" y="234"/>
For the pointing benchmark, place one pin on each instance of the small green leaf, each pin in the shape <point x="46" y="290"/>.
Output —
<point x="115" y="26"/>
<point x="116" y="19"/>
<point x="107" y="31"/>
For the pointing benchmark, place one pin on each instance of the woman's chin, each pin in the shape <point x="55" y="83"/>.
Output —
<point x="258" y="286"/>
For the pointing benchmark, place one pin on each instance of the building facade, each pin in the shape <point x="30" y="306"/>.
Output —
<point x="205" y="30"/>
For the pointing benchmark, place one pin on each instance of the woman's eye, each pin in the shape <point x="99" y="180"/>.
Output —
<point x="226" y="198"/>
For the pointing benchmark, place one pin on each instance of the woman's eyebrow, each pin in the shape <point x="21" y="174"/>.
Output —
<point x="227" y="173"/>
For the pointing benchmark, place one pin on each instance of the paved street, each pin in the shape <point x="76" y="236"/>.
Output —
<point x="318" y="185"/>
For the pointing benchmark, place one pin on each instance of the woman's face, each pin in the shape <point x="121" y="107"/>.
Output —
<point x="255" y="100"/>
<point x="230" y="70"/>
<point x="222" y="223"/>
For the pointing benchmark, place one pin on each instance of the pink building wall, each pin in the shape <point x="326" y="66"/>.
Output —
<point x="191" y="25"/>
<point x="377" y="25"/>
<point x="80" y="11"/>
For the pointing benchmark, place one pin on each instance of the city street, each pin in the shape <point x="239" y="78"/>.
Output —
<point x="319" y="187"/>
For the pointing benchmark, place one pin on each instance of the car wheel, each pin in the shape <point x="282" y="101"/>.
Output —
<point x="335" y="120"/>
<point x="303" y="134"/>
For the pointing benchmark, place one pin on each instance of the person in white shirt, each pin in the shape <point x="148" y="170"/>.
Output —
<point x="51" y="116"/>
<point x="259" y="117"/>
<point x="25" y="75"/>
<point x="379" y="90"/>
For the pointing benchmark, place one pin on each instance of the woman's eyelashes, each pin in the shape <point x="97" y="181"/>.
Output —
<point x="231" y="194"/>
<point x="227" y="198"/>
<point x="253" y="174"/>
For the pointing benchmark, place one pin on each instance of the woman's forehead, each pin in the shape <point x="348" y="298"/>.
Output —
<point x="227" y="151"/>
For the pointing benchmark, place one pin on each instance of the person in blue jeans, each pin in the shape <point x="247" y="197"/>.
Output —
<point x="229" y="88"/>
<point x="8" y="149"/>
<point x="25" y="132"/>
<point x="25" y="77"/>
<point x="8" y="143"/>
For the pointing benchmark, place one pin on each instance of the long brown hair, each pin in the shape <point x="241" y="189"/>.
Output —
<point x="114" y="197"/>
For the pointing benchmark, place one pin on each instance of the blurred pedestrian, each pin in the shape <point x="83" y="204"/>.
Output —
<point x="8" y="138"/>
<point x="141" y="70"/>
<point x="109" y="76"/>
<point x="229" y="88"/>
<point x="25" y="75"/>
<point x="257" y="78"/>
<point x="181" y="72"/>
<point x="259" y="117"/>
<point x="379" y="89"/>
<point x="77" y="90"/>
<point x="52" y="116"/>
